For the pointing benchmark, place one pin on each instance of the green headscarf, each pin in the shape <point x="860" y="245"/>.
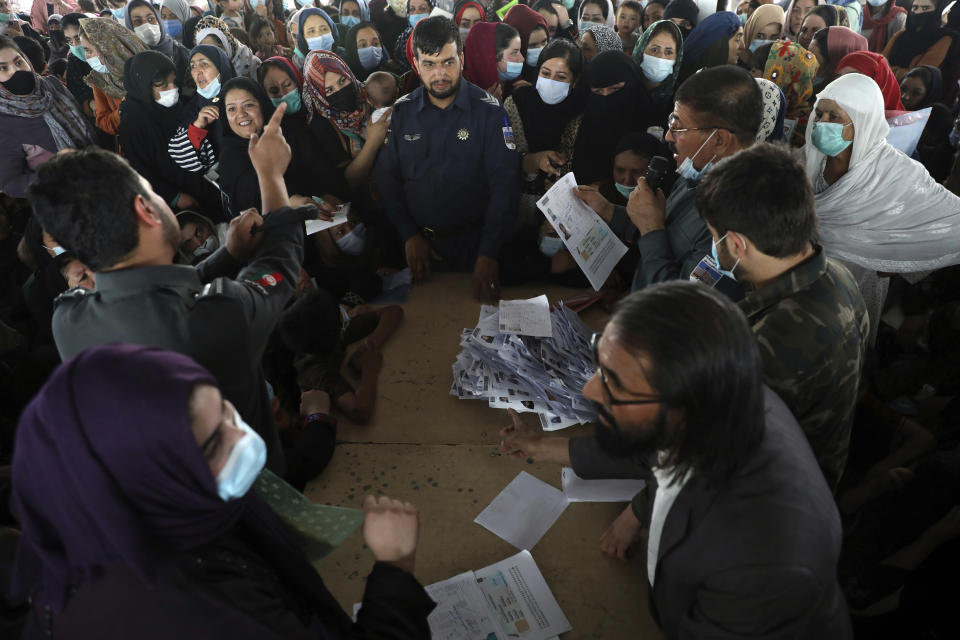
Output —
<point x="666" y="87"/>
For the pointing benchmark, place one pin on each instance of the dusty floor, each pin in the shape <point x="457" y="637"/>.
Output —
<point x="426" y="446"/>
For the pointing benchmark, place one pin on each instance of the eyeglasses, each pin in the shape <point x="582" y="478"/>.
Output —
<point x="594" y="344"/>
<point x="672" y="120"/>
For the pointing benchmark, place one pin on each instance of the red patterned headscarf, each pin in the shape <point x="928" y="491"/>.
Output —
<point x="315" y="68"/>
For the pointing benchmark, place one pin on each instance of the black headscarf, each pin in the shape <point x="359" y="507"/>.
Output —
<point x="921" y="32"/>
<point x="139" y="74"/>
<point x="350" y="50"/>
<point x="221" y="61"/>
<point x="543" y="123"/>
<point x="933" y="81"/>
<point x="238" y="178"/>
<point x="607" y="118"/>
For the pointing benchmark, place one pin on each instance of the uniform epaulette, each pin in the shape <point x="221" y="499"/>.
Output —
<point x="403" y="98"/>
<point x="489" y="99"/>
<point x="71" y="294"/>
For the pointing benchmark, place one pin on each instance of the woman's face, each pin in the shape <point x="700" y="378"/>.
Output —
<point x="912" y="93"/>
<point x="683" y="23"/>
<point x="350" y="9"/>
<point x="922" y="6"/>
<point x="651" y="14"/>
<point x="277" y="83"/>
<point x="419" y="7"/>
<point x="89" y="51"/>
<point x="367" y="37"/>
<point x="469" y="17"/>
<point x="592" y="12"/>
<point x="166" y="14"/>
<point x="11" y="62"/>
<point x="557" y="69"/>
<point x="811" y="24"/>
<point x="662" y="45"/>
<point x="736" y="44"/>
<point x="202" y="70"/>
<point x="170" y="82"/>
<point x="800" y="10"/>
<point x="538" y="38"/>
<point x="510" y="54"/>
<point x="627" y="21"/>
<point x="769" y="31"/>
<point x="333" y="82"/>
<point x="140" y="15"/>
<point x="212" y="420"/>
<point x="821" y="59"/>
<point x="243" y="112"/>
<point x="829" y="111"/>
<point x="314" y="27"/>
<point x="588" y="46"/>
<point x="214" y="40"/>
<point x="608" y="91"/>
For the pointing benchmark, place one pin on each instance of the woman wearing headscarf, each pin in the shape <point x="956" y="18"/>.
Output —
<point x="683" y="13"/>
<point x="921" y="87"/>
<point x="337" y="103"/>
<point x="878" y="210"/>
<point x="39" y="13"/>
<point x="57" y="43"/>
<point x="829" y="46"/>
<point x="923" y="41"/>
<point x="143" y="18"/>
<point x="415" y="11"/>
<point x="883" y="20"/>
<point x="482" y="59"/>
<point x="593" y="12"/>
<point x="795" y="12"/>
<point x="38" y="118"/>
<point x="175" y="14"/>
<point x="214" y="31"/>
<point x="874" y="65"/>
<point x="616" y="103"/>
<point x="149" y="118"/>
<point x="390" y="19"/>
<point x="467" y="13"/>
<point x="763" y="27"/>
<point x="107" y="45"/>
<point x="365" y="53"/>
<point x="317" y="32"/>
<point x="659" y="56"/>
<point x="793" y="68"/>
<point x="312" y="170"/>
<point x="594" y="39"/>
<point x="532" y="28"/>
<point x="353" y="12"/>
<point x="186" y="544"/>
<point x="715" y="41"/>
<point x="821" y="17"/>
<point x="774" y="112"/>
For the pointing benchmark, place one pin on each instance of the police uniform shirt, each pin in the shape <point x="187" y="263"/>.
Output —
<point x="451" y="168"/>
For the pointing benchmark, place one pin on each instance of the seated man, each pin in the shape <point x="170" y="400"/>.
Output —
<point x="717" y="113"/>
<point x="107" y="215"/>
<point x="449" y="174"/>
<point x="744" y="535"/>
<point x="805" y="309"/>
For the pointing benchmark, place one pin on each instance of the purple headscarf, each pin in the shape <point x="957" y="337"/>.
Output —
<point x="106" y="471"/>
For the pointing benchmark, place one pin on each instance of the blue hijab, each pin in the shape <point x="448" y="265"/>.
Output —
<point x="722" y="24"/>
<point x="302" y="42"/>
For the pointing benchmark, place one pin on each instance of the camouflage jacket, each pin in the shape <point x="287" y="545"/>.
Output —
<point x="812" y="328"/>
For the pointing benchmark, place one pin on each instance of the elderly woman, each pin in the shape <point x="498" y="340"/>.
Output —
<point x="187" y="544"/>
<point x="878" y="210"/>
<point x="213" y="30"/>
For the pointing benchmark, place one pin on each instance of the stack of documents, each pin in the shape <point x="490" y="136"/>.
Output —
<point x="525" y="357"/>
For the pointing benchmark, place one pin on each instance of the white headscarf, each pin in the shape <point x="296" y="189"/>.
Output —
<point x="886" y="213"/>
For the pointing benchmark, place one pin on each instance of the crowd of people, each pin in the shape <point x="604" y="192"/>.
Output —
<point x="782" y="363"/>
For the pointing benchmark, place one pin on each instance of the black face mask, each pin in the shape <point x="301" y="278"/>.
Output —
<point x="22" y="83"/>
<point x="57" y="38"/>
<point x="343" y="100"/>
<point x="928" y="20"/>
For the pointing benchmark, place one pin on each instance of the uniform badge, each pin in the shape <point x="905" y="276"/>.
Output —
<point x="270" y="279"/>
<point x="463" y="135"/>
<point x="508" y="138"/>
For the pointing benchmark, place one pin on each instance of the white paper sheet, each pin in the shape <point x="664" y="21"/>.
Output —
<point x="576" y="489"/>
<point x="526" y="317"/>
<point x="462" y="612"/>
<point x="906" y="129"/>
<point x="594" y="247"/>
<point x="314" y="226"/>
<point x="523" y="511"/>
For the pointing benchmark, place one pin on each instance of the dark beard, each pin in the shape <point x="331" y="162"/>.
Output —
<point x="449" y="92"/>
<point x="613" y="439"/>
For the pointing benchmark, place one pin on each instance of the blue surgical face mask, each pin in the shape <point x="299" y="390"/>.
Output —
<point x="686" y="168"/>
<point x="321" y="43"/>
<point x="77" y="51"/>
<point x="370" y="57"/>
<point x="172" y="27"/>
<point x="550" y="245"/>
<point x="212" y="90"/>
<point x="349" y="21"/>
<point x="292" y="99"/>
<point x="587" y="23"/>
<point x="4" y="17"/>
<point x="354" y="242"/>
<point x="756" y="44"/>
<point x="568" y="4"/>
<point x="716" y="259"/>
<point x="96" y="65"/>
<point x="743" y="18"/>
<point x="828" y="137"/>
<point x="552" y="91"/>
<point x="513" y="71"/>
<point x="304" y="3"/>
<point x="533" y="56"/>
<point x="656" y="69"/>
<point x="245" y="462"/>
<point x="119" y="13"/>
<point x="624" y="190"/>
<point x="415" y="18"/>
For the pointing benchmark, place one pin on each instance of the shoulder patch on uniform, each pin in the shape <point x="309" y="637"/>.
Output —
<point x="76" y="292"/>
<point x="212" y="288"/>
<point x="489" y="99"/>
<point x="402" y="99"/>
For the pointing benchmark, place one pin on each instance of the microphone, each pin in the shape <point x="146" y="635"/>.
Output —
<point x="657" y="171"/>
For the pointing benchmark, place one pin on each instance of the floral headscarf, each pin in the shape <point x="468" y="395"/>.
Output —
<point x="605" y="37"/>
<point x="315" y="68"/>
<point x="208" y="24"/>
<point x="792" y="68"/>
<point x="115" y="43"/>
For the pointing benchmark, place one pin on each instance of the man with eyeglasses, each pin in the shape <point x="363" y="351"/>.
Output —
<point x="744" y="536"/>
<point x="717" y="113"/>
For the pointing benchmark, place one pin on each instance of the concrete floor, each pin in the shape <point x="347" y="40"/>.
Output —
<point x="427" y="447"/>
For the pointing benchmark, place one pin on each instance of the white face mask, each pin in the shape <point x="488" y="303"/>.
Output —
<point x="656" y="69"/>
<point x="354" y="242"/>
<point x="168" y="98"/>
<point x="246" y="460"/>
<point x="149" y="33"/>
<point x="552" y="91"/>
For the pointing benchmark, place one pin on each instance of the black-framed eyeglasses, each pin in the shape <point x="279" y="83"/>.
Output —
<point x="594" y="342"/>
<point x="672" y="120"/>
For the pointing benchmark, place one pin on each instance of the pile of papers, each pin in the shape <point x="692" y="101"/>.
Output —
<point x="525" y="357"/>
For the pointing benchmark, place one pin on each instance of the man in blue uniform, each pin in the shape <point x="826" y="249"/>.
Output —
<point x="449" y="175"/>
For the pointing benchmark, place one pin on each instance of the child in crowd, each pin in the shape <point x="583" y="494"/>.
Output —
<point x="382" y="89"/>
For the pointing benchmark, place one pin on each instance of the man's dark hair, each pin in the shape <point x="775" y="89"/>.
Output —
<point x="72" y="20"/>
<point x="704" y="362"/>
<point x="633" y="5"/>
<point x="84" y="199"/>
<point x="763" y="193"/>
<point x="642" y="144"/>
<point x="33" y="52"/>
<point x="431" y="35"/>
<point x="725" y="96"/>
<point x="560" y="48"/>
<point x="546" y="5"/>
<point x="503" y="35"/>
